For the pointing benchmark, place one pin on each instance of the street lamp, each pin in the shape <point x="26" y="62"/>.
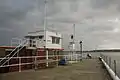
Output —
<point x="80" y="50"/>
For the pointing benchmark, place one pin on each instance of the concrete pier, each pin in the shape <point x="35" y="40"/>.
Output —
<point x="88" y="69"/>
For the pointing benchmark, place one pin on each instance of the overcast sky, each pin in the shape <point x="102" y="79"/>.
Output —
<point x="97" y="21"/>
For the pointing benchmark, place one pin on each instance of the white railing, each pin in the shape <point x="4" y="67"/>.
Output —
<point x="19" y="47"/>
<point x="51" y="58"/>
<point x="111" y="65"/>
<point x="15" y="41"/>
<point x="35" y="43"/>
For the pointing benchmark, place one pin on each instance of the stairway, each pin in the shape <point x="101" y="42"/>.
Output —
<point x="4" y="61"/>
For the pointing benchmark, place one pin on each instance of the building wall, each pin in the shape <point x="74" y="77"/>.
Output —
<point x="49" y="40"/>
<point x="41" y="32"/>
<point x="49" y="35"/>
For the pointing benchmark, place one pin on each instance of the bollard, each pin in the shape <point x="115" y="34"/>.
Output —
<point x="115" y="67"/>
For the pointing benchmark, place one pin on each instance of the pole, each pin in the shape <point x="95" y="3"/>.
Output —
<point x="80" y="50"/>
<point x="47" y="58"/>
<point x="73" y="51"/>
<point x="45" y="22"/>
<point x="45" y="25"/>
<point x="45" y="15"/>
<point x="74" y="33"/>
<point x="115" y="67"/>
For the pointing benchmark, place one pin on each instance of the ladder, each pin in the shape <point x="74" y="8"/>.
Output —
<point x="15" y="51"/>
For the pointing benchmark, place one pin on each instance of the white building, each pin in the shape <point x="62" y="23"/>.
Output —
<point x="52" y="40"/>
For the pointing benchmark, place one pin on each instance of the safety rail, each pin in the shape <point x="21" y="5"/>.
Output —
<point x="112" y="65"/>
<point x="37" y="60"/>
<point x="19" y="47"/>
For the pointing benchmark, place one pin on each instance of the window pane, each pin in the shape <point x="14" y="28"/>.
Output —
<point x="40" y="37"/>
<point x="53" y="40"/>
<point x="57" y="40"/>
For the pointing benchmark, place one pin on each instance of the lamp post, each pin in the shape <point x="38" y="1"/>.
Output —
<point x="80" y="50"/>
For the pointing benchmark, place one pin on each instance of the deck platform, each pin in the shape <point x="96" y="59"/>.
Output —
<point x="88" y="69"/>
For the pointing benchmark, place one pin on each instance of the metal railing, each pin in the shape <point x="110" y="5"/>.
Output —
<point x="113" y="64"/>
<point x="36" y="60"/>
<point x="5" y="59"/>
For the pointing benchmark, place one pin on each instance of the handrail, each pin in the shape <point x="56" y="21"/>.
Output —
<point x="38" y="61"/>
<point x="12" y="52"/>
<point x="110" y="71"/>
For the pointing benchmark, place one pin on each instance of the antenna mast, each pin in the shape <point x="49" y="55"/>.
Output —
<point x="45" y="21"/>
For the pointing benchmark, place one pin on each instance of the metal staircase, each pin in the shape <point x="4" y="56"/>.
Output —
<point x="14" y="52"/>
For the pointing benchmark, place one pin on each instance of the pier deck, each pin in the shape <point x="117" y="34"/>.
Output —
<point x="88" y="69"/>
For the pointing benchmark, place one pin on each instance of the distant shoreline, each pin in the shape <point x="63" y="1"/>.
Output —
<point x="114" y="50"/>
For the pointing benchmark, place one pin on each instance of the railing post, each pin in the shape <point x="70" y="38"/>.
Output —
<point x="56" y="58"/>
<point x="106" y="59"/>
<point x="47" y="58"/>
<point x="110" y="61"/>
<point x="19" y="64"/>
<point x="115" y="67"/>
<point x="103" y="57"/>
<point x="100" y="55"/>
<point x="76" y="57"/>
<point x="35" y="62"/>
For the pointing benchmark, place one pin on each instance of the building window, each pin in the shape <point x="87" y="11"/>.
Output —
<point x="40" y="37"/>
<point x="57" y="40"/>
<point x="53" y="40"/>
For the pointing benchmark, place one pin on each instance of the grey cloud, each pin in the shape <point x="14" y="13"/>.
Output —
<point x="102" y="4"/>
<point x="27" y="15"/>
<point x="101" y="28"/>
